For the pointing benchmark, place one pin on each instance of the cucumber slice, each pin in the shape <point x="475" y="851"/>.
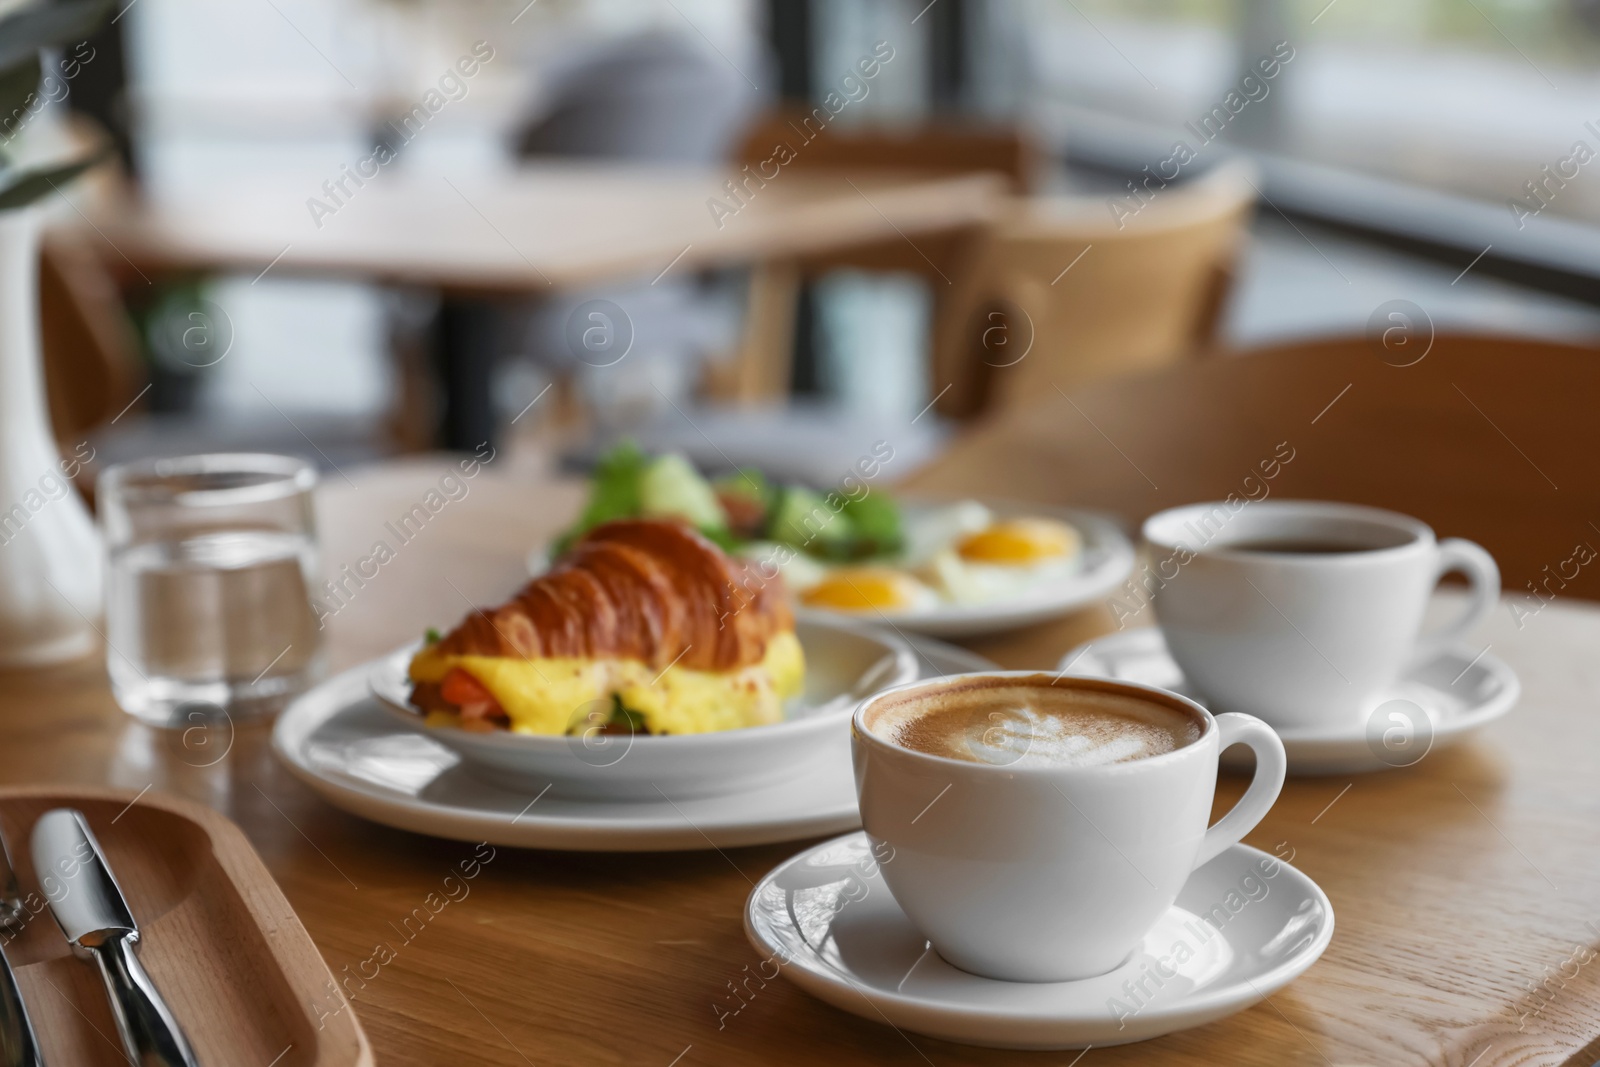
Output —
<point x="670" y="486"/>
<point x="804" y="520"/>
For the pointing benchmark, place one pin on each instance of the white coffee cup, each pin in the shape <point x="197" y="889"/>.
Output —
<point x="1303" y="638"/>
<point x="1048" y="872"/>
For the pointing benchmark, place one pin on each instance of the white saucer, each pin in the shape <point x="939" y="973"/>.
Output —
<point x="1459" y="690"/>
<point x="341" y="741"/>
<point x="825" y="920"/>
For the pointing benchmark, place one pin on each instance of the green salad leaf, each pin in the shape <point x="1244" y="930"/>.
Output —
<point x="626" y="717"/>
<point x="613" y="493"/>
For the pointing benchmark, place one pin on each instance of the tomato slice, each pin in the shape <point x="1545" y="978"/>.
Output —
<point x="460" y="688"/>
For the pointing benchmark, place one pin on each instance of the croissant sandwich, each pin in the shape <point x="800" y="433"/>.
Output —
<point x="642" y="624"/>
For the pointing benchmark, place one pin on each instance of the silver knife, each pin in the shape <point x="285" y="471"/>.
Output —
<point x="94" y="916"/>
<point x="19" y="1047"/>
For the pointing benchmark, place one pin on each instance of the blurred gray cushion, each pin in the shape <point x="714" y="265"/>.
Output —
<point x="659" y="97"/>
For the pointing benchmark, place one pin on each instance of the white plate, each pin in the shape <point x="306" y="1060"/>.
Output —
<point x="826" y="921"/>
<point x="845" y="663"/>
<point x="1435" y="703"/>
<point x="1107" y="560"/>
<point x="341" y="741"/>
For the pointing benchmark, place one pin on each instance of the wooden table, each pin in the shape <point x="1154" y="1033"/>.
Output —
<point x="1460" y="885"/>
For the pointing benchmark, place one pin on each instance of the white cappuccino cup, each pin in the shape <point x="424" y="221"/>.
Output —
<point x="1046" y="856"/>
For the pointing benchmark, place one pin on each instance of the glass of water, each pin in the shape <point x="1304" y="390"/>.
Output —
<point x="208" y="597"/>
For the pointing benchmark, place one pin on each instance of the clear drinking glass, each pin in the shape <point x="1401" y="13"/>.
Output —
<point x="208" y="595"/>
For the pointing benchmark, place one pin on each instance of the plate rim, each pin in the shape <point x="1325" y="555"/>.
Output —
<point x="1270" y="981"/>
<point x="560" y="833"/>
<point x="285" y="747"/>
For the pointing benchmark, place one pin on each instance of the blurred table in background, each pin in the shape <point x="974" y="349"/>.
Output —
<point x="539" y="230"/>
<point x="544" y="226"/>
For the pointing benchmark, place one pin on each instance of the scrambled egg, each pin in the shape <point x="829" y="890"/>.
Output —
<point x="551" y="695"/>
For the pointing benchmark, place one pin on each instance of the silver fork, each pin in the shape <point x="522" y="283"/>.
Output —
<point x="18" y="1045"/>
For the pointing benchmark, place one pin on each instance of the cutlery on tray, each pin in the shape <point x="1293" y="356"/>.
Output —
<point x="94" y="916"/>
<point x="18" y="1045"/>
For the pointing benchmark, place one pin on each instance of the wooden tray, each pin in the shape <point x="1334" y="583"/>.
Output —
<point x="217" y="936"/>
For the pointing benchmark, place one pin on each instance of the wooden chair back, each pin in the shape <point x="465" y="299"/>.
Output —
<point x="1068" y="292"/>
<point x="1488" y="438"/>
<point x="759" y="370"/>
<point x="933" y="149"/>
<point x="943" y="148"/>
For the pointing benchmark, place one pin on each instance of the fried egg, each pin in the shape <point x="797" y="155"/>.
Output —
<point x="1006" y="559"/>
<point x="862" y="589"/>
<point x="929" y="531"/>
<point x="1020" y="543"/>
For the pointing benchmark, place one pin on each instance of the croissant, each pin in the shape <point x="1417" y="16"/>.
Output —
<point x="646" y="589"/>
<point x="640" y="597"/>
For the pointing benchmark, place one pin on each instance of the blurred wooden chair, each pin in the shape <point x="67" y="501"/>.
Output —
<point x="91" y="359"/>
<point x="760" y="369"/>
<point x="1064" y="292"/>
<point x="1489" y="438"/>
<point x="944" y="148"/>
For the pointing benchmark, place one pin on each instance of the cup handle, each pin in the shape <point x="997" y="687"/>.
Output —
<point x="1483" y="575"/>
<point x="1271" y="766"/>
